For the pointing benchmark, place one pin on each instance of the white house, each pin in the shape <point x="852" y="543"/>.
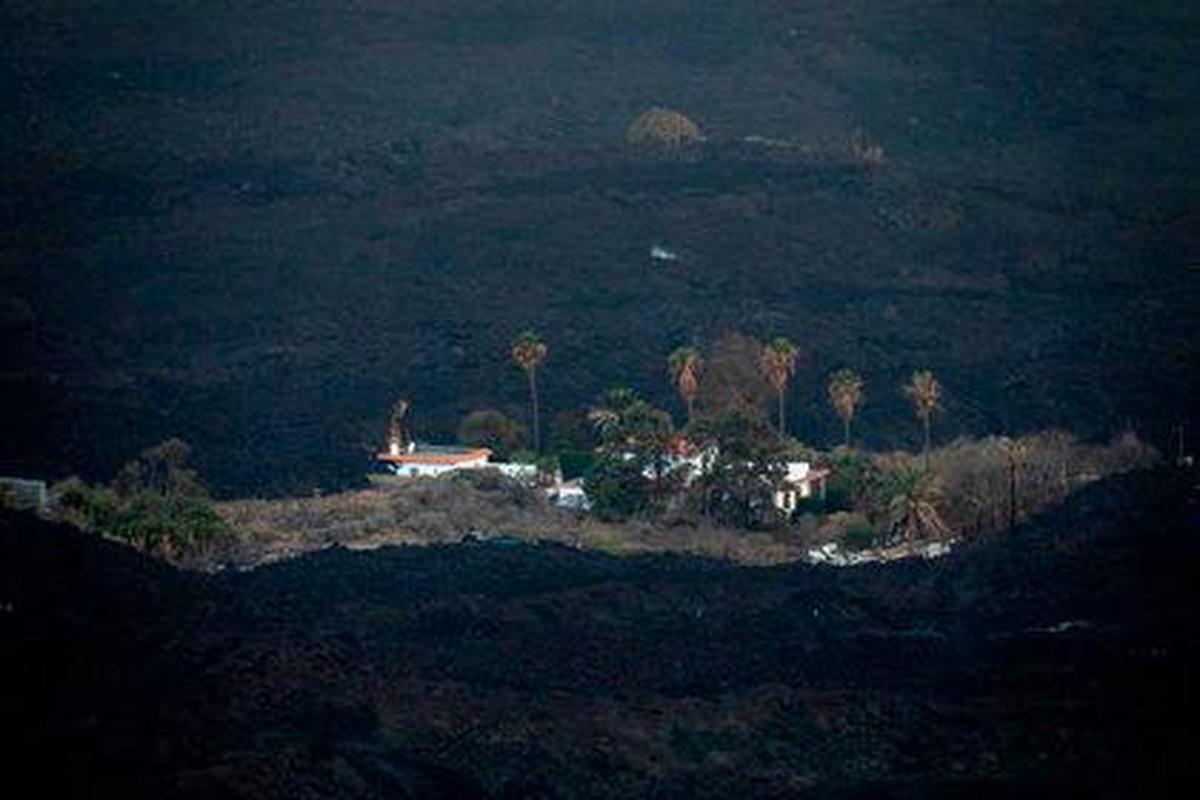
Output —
<point x="428" y="461"/>
<point x="801" y="481"/>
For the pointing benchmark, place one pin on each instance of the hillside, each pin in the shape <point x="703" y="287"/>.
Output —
<point x="252" y="227"/>
<point x="1056" y="661"/>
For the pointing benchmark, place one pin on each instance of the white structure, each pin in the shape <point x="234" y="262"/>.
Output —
<point x="660" y="253"/>
<point x="24" y="493"/>
<point x="525" y="473"/>
<point x="569" y="494"/>
<point x="800" y="483"/>
<point x="429" y="461"/>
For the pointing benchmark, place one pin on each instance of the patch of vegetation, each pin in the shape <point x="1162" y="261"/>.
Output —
<point x="662" y="126"/>
<point x="494" y="430"/>
<point x="156" y="503"/>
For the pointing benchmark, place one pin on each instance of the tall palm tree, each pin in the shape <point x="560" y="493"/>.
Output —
<point x="845" y="395"/>
<point x="529" y="351"/>
<point x="1015" y="452"/>
<point x="683" y="365"/>
<point x="777" y="363"/>
<point x="925" y="392"/>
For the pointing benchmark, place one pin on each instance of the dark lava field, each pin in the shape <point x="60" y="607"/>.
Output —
<point x="253" y="225"/>
<point x="1059" y="661"/>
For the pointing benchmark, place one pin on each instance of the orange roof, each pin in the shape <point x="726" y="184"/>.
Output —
<point x="435" y="458"/>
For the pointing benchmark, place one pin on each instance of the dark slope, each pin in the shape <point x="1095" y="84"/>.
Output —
<point x="252" y="225"/>
<point x="1057" y="661"/>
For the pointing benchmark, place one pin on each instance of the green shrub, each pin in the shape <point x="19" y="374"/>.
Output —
<point x="813" y="504"/>
<point x="859" y="535"/>
<point x="171" y="526"/>
<point x="156" y="504"/>
<point x="494" y="430"/>
<point x="617" y="489"/>
<point x="854" y="481"/>
<point x="90" y="508"/>
<point x="576" y="463"/>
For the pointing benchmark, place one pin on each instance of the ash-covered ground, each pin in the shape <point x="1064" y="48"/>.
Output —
<point x="1055" y="661"/>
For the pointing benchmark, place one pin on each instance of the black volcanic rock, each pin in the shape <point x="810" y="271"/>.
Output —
<point x="1056" y="660"/>
<point x="253" y="227"/>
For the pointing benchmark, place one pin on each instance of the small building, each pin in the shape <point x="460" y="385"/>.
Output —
<point x="801" y="482"/>
<point x="569" y="494"/>
<point x="23" y="493"/>
<point x="428" y="461"/>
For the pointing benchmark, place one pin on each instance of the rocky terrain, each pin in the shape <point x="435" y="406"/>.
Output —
<point x="1057" y="661"/>
<point x="254" y="226"/>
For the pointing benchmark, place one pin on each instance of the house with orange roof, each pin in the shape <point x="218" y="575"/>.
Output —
<point x="428" y="461"/>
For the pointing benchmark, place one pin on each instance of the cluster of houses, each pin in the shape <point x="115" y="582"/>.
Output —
<point x="402" y="460"/>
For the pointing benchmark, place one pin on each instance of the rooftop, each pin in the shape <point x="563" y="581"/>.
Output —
<point x="434" y="454"/>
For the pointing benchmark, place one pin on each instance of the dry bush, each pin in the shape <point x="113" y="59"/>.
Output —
<point x="664" y="127"/>
<point x="977" y="474"/>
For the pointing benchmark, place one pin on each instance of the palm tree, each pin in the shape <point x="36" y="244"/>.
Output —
<point x="925" y="392"/>
<point x="683" y="365"/>
<point x="845" y="395"/>
<point x="912" y="505"/>
<point x="529" y="351"/>
<point x="777" y="363"/>
<point x="395" y="437"/>
<point x="1015" y="452"/>
<point x="605" y="416"/>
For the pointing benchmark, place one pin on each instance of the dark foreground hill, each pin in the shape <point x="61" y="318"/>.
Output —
<point x="253" y="226"/>
<point x="1057" y="662"/>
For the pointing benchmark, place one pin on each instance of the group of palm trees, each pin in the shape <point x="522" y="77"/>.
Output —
<point x="776" y="363"/>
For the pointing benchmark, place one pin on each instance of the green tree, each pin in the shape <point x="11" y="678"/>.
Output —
<point x="618" y="488"/>
<point x="634" y="437"/>
<point x="748" y="465"/>
<point x="925" y="392"/>
<point x="606" y="415"/>
<point x="854" y="481"/>
<point x="845" y="395"/>
<point x="683" y="365"/>
<point x="778" y="363"/>
<point x="731" y="380"/>
<point x="634" y="431"/>
<point x="170" y="526"/>
<point x="161" y="470"/>
<point x="913" y="499"/>
<point x="625" y="423"/>
<point x="156" y="503"/>
<point x="529" y="351"/>
<point x="498" y="432"/>
<point x="89" y="508"/>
